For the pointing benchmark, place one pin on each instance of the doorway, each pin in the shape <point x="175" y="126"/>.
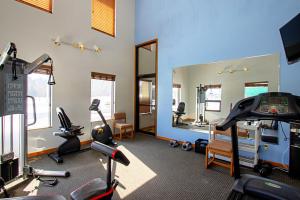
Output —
<point x="146" y="87"/>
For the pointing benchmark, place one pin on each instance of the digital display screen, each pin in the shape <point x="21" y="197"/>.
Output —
<point x="276" y="100"/>
<point x="275" y="105"/>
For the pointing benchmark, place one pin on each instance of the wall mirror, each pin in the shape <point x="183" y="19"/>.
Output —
<point x="204" y="94"/>
<point x="145" y="91"/>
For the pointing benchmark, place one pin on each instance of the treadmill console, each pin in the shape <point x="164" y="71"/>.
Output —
<point x="273" y="105"/>
<point x="277" y="106"/>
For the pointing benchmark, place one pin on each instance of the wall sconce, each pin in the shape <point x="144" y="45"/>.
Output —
<point x="79" y="45"/>
<point x="97" y="49"/>
<point x="57" y="41"/>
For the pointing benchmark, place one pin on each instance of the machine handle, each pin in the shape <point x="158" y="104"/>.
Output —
<point x="34" y="110"/>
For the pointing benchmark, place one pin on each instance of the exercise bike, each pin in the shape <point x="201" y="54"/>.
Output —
<point x="96" y="188"/>
<point x="102" y="133"/>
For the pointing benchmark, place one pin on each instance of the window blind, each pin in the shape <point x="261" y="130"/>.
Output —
<point x="212" y="86"/>
<point x="176" y="85"/>
<point x="45" y="5"/>
<point x="257" y="84"/>
<point x="101" y="76"/>
<point x="103" y="16"/>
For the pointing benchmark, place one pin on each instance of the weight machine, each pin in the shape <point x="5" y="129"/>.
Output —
<point x="200" y="106"/>
<point x="13" y="105"/>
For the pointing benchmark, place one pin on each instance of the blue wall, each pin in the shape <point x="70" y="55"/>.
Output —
<point x="201" y="31"/>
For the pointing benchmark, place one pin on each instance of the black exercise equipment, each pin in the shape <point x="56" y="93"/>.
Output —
<point x="200" y="106"/>
<point x="69" y="132"/>
<point x="102" y="133"/>
<point x="14" y="101"/>
<point x="200" y="145"/>
<point x="97" y="188"/>
<point x="267" y="106"/>
<point x="264" y="169"/>
<point x="186" y="146"/>
<point x="179" y="113"/>
<point x="174" y="143"/>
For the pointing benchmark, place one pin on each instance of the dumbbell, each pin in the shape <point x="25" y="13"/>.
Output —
<point x="174" y="143"/>
<point x="264" y="169"/>
<point x="186" y="146"/>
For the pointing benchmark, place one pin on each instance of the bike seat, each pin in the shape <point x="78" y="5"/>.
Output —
<point x="95" y="188"/>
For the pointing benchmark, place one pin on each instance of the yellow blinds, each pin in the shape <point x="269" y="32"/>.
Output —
<point x="103" y="16"/>
<point x="45" y="5"/>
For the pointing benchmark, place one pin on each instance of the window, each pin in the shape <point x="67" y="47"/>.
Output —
<point x="147" y="96"/>
<point x="42" y="92"/>
<point x="176" y="96"/>
<point x="103" y="88"/>
<point x="45" y="5"/>
<point x="256" y="88"/>
<point x="213" y="98"/>
<point x="103" y="16"/>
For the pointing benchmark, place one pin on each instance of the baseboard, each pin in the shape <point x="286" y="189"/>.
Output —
<point x="52" y="150"/>
<point x="168" y="139"/>
<point x="274" y="164"/>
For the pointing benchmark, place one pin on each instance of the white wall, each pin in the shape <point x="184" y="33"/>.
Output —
<point x="262" y="68"/>
<point x="31" y="30"/>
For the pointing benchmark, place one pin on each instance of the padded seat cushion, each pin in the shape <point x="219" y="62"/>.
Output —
<point x="91" y="189"/>
<point x="123" y="125"/>
<point x="220" y="145"/>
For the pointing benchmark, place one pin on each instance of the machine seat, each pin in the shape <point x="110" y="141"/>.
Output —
<point x="263" y="188"/>
<point x="53" y="197"/>
<point x="94" y="188"/>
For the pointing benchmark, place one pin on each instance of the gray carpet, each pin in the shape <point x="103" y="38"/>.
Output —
<point x="156" y="172"/>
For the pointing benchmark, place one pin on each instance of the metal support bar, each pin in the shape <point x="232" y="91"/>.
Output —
<point x="235" y="151"/>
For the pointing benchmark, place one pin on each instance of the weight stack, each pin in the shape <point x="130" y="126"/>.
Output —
<point x="9" y="169"/>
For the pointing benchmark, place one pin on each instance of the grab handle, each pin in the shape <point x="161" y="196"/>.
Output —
<point x="34" y="110"/>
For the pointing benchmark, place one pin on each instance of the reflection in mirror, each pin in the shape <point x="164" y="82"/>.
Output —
<point x="145" y="114"/>
<point x="204" y="94"/>
<point x="147" y="110"/>
<point x="147" y="59"/>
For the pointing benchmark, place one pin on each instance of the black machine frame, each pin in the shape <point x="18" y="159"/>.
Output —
<point x="251" y="109"/>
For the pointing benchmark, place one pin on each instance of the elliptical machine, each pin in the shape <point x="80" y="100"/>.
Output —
<point x="102" y="133"/>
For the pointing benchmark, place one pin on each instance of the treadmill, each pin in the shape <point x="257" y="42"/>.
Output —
<point x="279" y="106"/>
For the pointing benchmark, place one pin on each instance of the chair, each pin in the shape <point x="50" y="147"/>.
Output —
<point x="69" y="132"/>
<point x="119" y="122"/>
<point x="179" y="113"/>
<point x="219" y="147"/>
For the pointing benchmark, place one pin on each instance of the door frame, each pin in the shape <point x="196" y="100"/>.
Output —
<point x="136" y="86"/>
